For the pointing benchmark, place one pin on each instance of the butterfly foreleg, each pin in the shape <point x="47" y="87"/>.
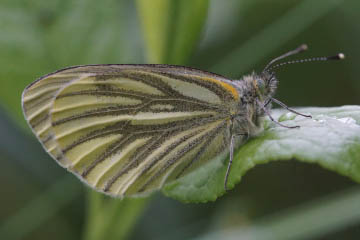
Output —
<point x="232" y="141"/>
<point x="289" y="109"/>
<point x="267" y="112"/>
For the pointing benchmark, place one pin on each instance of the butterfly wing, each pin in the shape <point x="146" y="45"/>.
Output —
<point x="128" y="129"/>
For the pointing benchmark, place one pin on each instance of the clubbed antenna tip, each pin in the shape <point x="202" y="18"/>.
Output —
<point x="303" y="47"/>
<point x="339" y="56"/>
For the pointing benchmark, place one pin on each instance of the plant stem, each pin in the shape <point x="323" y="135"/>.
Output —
<point x="111" y="218"/>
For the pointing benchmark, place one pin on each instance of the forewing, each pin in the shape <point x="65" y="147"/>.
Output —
<point x="128" y="129"/>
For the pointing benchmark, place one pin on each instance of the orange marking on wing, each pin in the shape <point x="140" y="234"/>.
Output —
<point x="227" y="86"/>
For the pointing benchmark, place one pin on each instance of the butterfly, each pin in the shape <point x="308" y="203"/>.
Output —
<point x="127" y="130"/>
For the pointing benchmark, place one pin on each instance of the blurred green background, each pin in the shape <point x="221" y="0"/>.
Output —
<point x="281" y="200"/>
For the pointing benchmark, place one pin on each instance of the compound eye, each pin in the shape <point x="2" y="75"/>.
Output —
<point x="261" y="85"/>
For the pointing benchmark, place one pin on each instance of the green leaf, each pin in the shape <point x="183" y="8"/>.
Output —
<point x="171" y="28"/>
<point x="331" y="139"/>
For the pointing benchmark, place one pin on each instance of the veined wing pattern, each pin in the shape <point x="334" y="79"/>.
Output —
<point x="128" y="129"/>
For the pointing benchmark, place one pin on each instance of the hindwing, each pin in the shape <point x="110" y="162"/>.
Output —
<point x="128" y="129"/>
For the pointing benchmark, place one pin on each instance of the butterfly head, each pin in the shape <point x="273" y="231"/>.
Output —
<point x="266" y="82"/>
<point x="265" y="85"/>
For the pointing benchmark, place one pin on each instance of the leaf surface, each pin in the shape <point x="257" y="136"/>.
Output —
<point x="331" y="139"/>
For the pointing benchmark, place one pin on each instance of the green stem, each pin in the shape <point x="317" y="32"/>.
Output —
<point x="111" y="218"/>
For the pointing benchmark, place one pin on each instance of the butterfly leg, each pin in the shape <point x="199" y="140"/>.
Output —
<point x="230" y="161"/>
<point x="289" y="109"/>
<point x="232" y="140"/>
<point x="273" y="120"/>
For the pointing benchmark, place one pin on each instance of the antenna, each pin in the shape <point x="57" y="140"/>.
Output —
<point x="300" y="49"/>
<point x="338" y="56"/>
